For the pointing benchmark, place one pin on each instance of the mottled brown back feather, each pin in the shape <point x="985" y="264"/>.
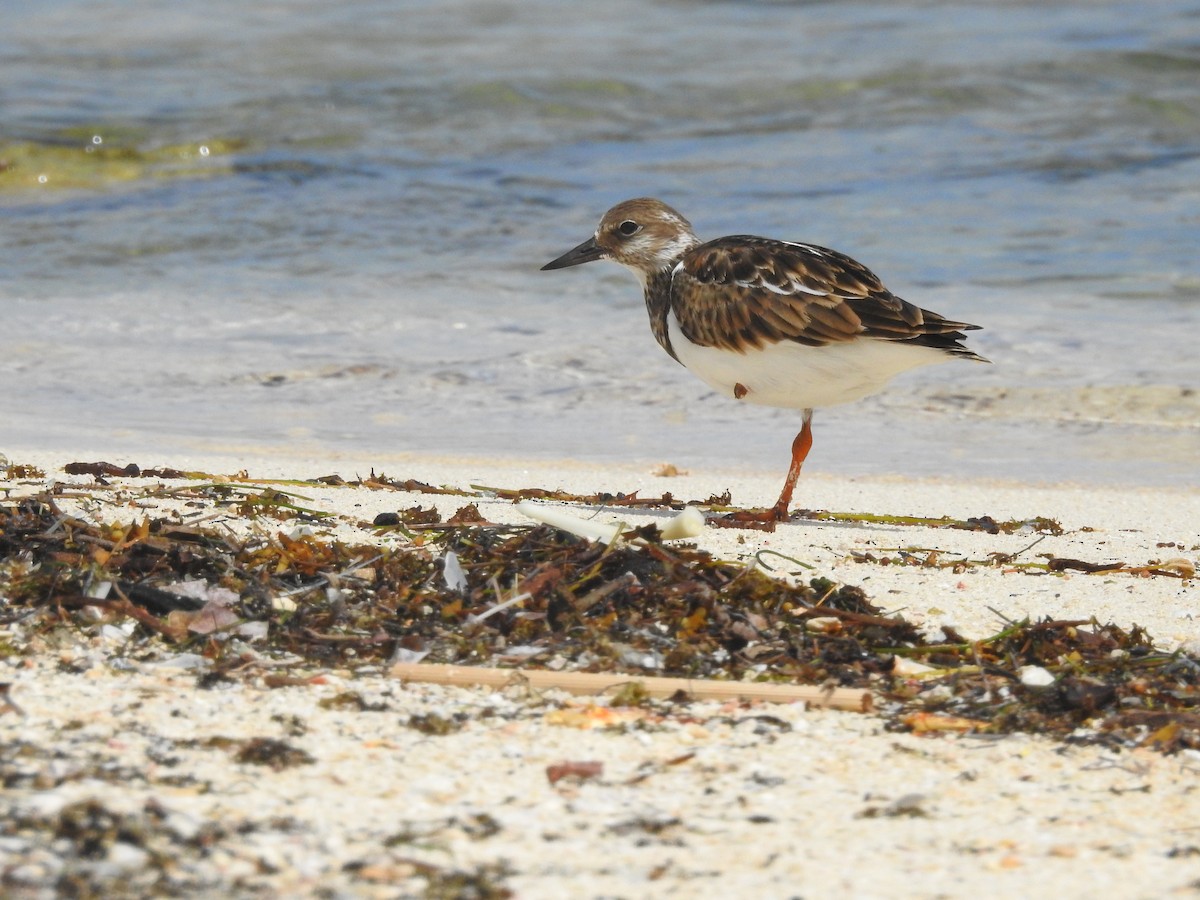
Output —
<point x="742" y="291"/>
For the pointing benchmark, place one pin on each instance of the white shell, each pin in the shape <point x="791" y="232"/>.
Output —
<point x="910" y="668"/>
<point x="1035" y="676"/>
<point x="604" y="532"/>
<point x="689" y="523"/>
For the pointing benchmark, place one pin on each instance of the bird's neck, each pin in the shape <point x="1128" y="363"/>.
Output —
<point x="658" y="305"/>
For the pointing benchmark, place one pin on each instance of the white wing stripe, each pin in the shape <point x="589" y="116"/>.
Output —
<point x="792" y="287"/>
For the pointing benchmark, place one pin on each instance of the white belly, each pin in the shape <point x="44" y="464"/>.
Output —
<point x="796" y="376"/>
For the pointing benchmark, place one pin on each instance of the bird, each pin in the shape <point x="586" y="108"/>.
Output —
<point x="769" y="322"/>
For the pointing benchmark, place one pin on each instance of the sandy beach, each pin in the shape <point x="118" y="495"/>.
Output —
<point x="346" y="552"/>
<point x="127" y="769"/>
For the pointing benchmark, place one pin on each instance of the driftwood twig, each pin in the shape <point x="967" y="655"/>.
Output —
<point x="599" y="682"/>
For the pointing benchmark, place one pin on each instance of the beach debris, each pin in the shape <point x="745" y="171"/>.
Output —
<point x="647" y="686"/>
<point x="20" y="471"/>
<point x="591" y="717"/>
<point x="1179" y="565"/>
<point x="7" y="703"/>
<point x="212" y="618"/>
<point x="100" y="469"/>
<point x="1174" y="568"/>
<point x="937" y="559"/>
<point x="467" y="515"/>
<point x="605" y="498"/>
<point x="822" y="624"/>
<point x="580" y="615"/>
<point x="270" y="752"/>
<point x="668" y="470"/>
<point x="283" y="604"/>
<point x="589" y="529"/>
<point x="383" y="482"/>
<point x="687" y="524"/>
<point x="499" y="607"/>
<point x="1035" y="676"/>
<point x="910" y="668"/>
<point x="1037" y="524"/>
<point x="352" y="700"/>
<point x="435" y="724"/>
<point x="1057" y="564"/>
<point x="576" y="770"/>
<point x="924" y="723"/>
<point x="908" y="806"/>
<point x="722" y="502"/>
<point x="765" y="552"/>
<point x="452" y="572"/>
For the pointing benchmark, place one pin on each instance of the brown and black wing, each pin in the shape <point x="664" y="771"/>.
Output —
<point x="741" y="292"/>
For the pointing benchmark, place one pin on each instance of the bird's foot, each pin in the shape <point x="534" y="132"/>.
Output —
<point x="757" y="519"/>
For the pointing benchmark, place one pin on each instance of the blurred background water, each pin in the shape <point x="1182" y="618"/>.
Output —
<point x="307" y="227"/>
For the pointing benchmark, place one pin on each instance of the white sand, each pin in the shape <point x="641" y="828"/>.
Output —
<point x="772" y="801"/>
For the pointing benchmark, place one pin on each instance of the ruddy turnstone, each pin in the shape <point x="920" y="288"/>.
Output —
<point x="778" y="323"/>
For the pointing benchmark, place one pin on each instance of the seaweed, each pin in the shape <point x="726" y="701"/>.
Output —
<point x="105" y="156"/>
<point x="532" y="595"/>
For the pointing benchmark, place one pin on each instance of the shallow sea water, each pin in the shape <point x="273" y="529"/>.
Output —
<point x="353" y="266"/>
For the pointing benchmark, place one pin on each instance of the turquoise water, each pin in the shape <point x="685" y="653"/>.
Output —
<point x="358" y="274"/>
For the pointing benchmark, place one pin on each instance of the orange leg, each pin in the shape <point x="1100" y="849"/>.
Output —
<point x="800" y="447"/>
<point x="765" y="519"/>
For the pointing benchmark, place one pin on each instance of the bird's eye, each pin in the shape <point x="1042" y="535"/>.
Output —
<point x="629" y="228"/>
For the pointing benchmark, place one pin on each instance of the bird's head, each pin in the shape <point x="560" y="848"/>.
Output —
<point x="644" y="235"/>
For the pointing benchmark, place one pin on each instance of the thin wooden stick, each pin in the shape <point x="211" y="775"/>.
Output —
<point x="597" y="683"/>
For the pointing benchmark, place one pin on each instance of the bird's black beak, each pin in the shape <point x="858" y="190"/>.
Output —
<point x="588" y="251"/>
